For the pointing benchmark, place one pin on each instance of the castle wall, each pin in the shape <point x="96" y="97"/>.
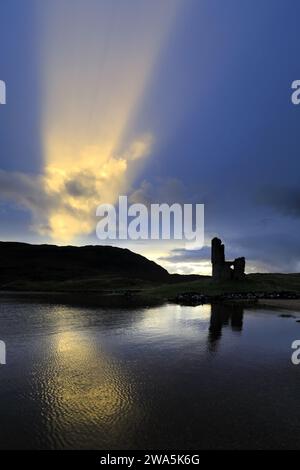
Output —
<point x="225" y="270"/>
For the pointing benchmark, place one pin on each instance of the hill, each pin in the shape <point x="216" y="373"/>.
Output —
<point x="22" y="262"/>
<point x="107" y="270"/>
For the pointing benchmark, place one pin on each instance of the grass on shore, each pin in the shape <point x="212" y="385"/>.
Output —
<point x="204" y="285"/>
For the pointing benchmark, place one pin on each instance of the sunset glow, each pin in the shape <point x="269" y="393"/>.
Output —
<point x="95" y="75"/>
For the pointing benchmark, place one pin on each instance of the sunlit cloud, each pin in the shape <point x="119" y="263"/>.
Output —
<point x="95" y="177"/>
<point x="97" y="58"/>
<point x="62" y="200"/>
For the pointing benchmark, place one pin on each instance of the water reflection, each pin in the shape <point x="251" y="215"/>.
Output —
<point x="224" y="315"/>
<point x="81" y="386"/>
<point x="141" y="378"/>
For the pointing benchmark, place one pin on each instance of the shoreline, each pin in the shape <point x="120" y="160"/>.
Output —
<point x="288" y="304"/>
<point x="120" y="299"/>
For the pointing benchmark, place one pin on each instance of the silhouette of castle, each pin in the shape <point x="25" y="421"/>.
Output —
<point x="225" y="270"/>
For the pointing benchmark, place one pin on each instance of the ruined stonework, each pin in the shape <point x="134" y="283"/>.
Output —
<point x="225" y="270"/>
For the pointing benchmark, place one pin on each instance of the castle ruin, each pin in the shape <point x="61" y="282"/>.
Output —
<point x="225" y="270"/>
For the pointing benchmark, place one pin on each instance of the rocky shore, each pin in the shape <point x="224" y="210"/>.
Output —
<point x="283" y="299"/>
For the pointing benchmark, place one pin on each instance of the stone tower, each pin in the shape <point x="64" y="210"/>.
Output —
<point x="225" y="270"/>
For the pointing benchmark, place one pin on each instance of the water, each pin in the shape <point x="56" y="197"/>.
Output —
<point x="168" y="377"/>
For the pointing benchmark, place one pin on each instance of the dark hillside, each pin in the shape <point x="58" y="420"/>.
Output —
<point x="25" y="262"/>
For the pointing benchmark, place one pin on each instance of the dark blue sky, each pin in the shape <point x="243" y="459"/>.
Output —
<point x="218" y="104"/>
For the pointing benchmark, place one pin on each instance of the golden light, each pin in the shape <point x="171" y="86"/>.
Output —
<point x="97" y="59"/>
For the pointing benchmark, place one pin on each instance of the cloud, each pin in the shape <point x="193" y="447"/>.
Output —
<point x="139" y="148"/>
<point x="185" y="261"/>
<point x="94" y="77"/>
<point x="82" y="185"/>
<point x="284" y="200"/>
<point x="181" y="255"/>
<point x="170" y="190"/>
<point x="273" y="252"/>
<point x="63" y="202"/>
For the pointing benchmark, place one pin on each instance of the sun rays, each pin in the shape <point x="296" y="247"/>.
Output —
<point x="97" y="59"/>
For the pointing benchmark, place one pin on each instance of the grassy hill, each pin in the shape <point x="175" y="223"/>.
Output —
<point x="256" y="283"/>
<point x="22" y="262"/>
<point x="110" y="270"/>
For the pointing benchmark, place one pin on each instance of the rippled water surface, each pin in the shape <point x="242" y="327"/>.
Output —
<point x="166" y="377"/>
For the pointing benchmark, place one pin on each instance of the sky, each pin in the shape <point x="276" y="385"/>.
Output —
<point x="175" y="101"/>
